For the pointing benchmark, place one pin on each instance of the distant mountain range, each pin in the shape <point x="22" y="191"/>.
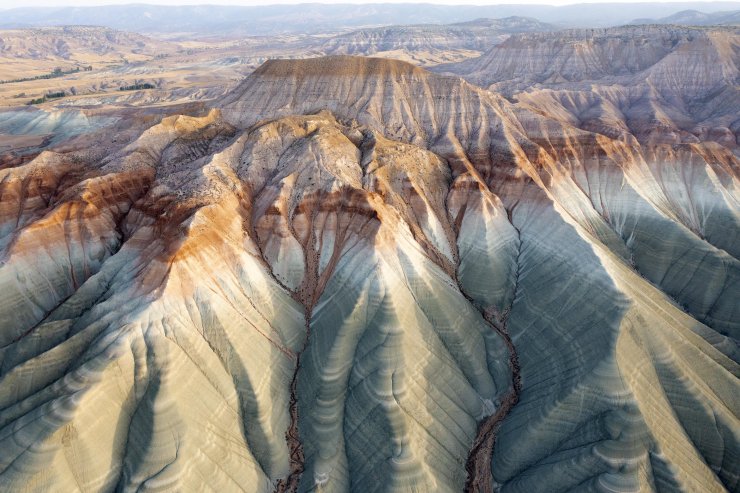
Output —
<point x="273" y="19"/>
<point x="696" y="18"/>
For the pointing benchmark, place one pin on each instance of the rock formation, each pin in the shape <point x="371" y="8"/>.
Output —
<point x="664" y="84"/>
<point x="354" y="274"/>
<point x="430" y="43"/>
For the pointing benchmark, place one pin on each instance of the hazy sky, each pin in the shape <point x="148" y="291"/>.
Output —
<point x="6" y="4"/>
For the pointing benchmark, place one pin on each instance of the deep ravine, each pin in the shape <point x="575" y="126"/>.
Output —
<point x="292" y="436"/>
<point x="478" y="465"/>
<point x="307" y="295"/>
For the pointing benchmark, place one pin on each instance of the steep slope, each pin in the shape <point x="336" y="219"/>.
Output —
<point x="665" y="84"/>
<point x="358" y="275"/>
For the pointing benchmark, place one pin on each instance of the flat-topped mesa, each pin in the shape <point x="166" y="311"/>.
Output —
<point x="338" y="66"/>
<point x="661" y="84"/>
<point x="402" y="102"/>
<point x="461" y="122"/>
<point x="476" y="35"/>
<point x="333" y="79"/>
<point x="580" y="55"/>
<point x="373" y="90"/>
<point x="684" y="78"/>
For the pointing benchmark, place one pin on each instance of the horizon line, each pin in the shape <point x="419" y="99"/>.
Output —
<point x="199" y="3"/>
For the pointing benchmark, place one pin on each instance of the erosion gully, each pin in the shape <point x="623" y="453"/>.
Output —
<point x="478" y="465"/>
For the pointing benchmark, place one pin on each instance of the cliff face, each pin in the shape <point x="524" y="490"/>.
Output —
<point x="666" y="84"/>
<point x="358" y="275"/>
<point x="581" y="55"/>
<point x="430" y="42"/>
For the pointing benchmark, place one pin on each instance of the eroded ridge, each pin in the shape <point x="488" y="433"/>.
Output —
<point x="370" y="297"/>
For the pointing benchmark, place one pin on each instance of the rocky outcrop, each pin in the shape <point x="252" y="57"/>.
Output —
<point x="356" y="275"/>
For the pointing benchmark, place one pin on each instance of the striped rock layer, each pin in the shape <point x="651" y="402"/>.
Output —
<point x="355" y="275"/>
